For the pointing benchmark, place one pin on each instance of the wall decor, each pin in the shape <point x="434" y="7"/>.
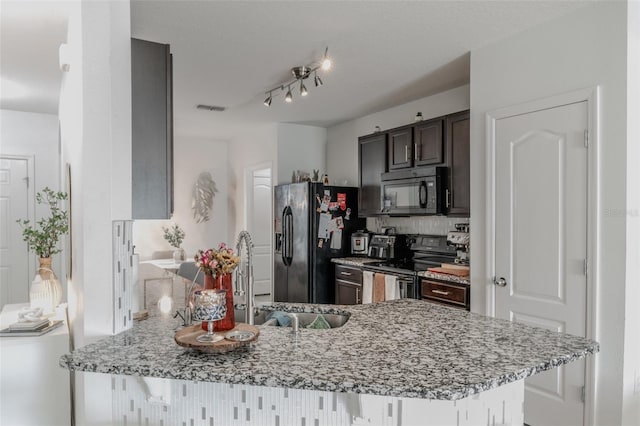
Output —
<point x="202" y="197"/>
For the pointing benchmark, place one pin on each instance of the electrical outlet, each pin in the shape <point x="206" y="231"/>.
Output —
<point x="636" y="383"/>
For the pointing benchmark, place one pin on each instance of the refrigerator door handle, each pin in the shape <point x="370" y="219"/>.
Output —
<point x="290" y="236"/>
<point x="286" y="235"/>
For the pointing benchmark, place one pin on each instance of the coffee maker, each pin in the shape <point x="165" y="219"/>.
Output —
<point x="460" y="240"/>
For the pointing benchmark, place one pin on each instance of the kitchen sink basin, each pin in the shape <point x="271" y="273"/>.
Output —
<point x="260" y="319"/>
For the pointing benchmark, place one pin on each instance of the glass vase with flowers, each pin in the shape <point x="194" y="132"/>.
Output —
<point x="217" y="265"/>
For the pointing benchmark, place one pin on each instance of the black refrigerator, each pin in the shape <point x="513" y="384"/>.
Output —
<point x="313" y="223"/>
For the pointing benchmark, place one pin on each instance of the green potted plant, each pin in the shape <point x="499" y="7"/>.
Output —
<point x="42" y="238"/>
<point x="174" y="236"/>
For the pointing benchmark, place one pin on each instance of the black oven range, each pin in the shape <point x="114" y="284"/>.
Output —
<point x="405" y="255"/>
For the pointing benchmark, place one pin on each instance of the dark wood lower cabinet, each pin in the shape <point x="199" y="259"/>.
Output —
<point x="348" y="293"/>
<point x="452" y="294"/>
<point x="348" y="285"/>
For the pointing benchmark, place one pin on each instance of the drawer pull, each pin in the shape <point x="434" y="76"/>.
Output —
<point x="346" y="273"/>
<point x="444" y="293"/>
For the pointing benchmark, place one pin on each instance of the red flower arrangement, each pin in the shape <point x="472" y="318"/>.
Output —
<point x="218" y="261"/>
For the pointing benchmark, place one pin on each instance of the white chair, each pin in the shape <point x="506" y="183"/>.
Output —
<point x="166" y="276"/>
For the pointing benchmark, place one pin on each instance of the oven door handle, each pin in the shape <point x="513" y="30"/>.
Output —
<point x="404" y="288"/>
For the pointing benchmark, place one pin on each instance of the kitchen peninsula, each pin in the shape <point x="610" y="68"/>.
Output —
<point x="401" y="362"/>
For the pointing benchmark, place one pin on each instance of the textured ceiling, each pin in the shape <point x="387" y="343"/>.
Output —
<point x="229" y="53"/>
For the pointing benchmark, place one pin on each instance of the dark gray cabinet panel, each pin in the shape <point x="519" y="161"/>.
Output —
<point x="348" y="285"/>
<point x="458" y="161"/>
<point x="152" y="130"/>
<point x="372" y="156"/>
<point x="428" y="143"/>
<point x="400" y="148"/>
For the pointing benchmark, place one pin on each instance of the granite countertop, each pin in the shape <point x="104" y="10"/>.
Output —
<point x="403" y="348"/>
<point x="360" y="261"/>
<point x="444" y="277"/>
<point x="354" y="261"/>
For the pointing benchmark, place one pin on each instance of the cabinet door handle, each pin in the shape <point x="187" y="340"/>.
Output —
<point x="416" y="150"/>
<point x="345" y="273"/>
<point x="444" y="293"/>
<point x="357" y="296"/>
<point x="447" y="197"/>
<point x="406" y="153"/>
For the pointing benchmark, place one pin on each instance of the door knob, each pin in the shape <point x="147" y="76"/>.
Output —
<point x="500" y="282"/>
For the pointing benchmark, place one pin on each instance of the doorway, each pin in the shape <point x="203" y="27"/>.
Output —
<point x="541" y="210"/>
<point x="16" y="202"/>
<point x="259" y="224"/>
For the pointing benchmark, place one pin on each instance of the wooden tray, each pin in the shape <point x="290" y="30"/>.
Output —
<point x="187" y="338"/>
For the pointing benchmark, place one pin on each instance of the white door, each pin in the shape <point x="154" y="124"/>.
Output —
<point x="14" y="255"/>
<point x="259" y="225"/>
<point x="541" y="243"/>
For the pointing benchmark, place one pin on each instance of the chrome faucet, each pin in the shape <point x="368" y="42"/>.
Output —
<point x="244" y="275"/>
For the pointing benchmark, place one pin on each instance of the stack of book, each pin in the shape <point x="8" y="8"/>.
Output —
<point x="30" y="328"/>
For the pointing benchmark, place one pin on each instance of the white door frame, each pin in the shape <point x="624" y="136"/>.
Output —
<point x="31" y="198"/>
<point x="248" y="188"/>
<point x="591" y="96"/>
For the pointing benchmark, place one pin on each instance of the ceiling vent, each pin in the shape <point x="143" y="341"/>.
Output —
<point x="211" y="108"/>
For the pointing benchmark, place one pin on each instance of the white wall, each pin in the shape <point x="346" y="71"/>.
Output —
<point x="584" y="49"/>
<point x="255" y="145"/>
<point x="631" y="402"/>
<point x="342" y="139"/>
<point x="192" y="156"/>
<point x="34" y="134"/>
<point x="301" y="148"/>
<point x="95" y="120"/>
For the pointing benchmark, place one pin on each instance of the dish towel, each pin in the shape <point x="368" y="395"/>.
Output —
<point x="378" y="288"/>
<point x="391" y="287"/>
<point x="367" y="286"/>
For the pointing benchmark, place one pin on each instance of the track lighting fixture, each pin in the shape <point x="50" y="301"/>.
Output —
<point x="301" y="73"/>
<point x="267" y="102"/>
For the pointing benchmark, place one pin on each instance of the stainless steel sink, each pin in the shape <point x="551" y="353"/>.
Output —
<point x="334" y="320"/>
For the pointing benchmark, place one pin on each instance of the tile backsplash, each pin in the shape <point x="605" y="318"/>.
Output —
<point x="429" y="225"/>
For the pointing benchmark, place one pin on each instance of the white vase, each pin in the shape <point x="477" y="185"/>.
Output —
<point x="45" y="291"/>
<point x="178" y="255"/>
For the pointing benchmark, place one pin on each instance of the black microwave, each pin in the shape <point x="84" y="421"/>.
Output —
<point x="415" y="192"/>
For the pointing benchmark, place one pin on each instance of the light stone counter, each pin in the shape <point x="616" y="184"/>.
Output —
<point x="404" y="348"/>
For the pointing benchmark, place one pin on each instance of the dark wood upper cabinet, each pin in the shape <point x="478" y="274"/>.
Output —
<point x="152" y="130"/>
<point x="428" y="143"/>
<point x="400" y="148"/>
<point x="442" y="141"/>
<point x="372" y="156"/>
<point x="458" y="160"/>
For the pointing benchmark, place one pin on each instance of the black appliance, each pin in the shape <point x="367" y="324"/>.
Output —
<point x="388" y="247"/>
<point x="313" y="223"/>
<point x="414" y="253"/>
<point x="421" y="191"/>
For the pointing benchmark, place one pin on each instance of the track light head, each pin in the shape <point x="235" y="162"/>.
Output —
<point x="317" y="80"/>
<point x="303" y="89"/>
<point x="326" y="62"/>
<point x="267" y="102"/>
<point x="288" y="97"/>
